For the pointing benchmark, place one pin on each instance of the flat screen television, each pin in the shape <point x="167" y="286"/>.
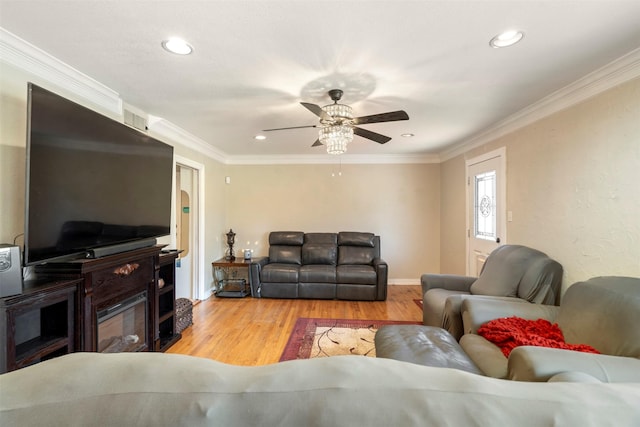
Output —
<point x="91" y="182"/>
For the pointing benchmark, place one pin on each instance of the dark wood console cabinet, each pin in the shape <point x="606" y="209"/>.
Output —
<point x="39" y="323"/>
<point x="67" y="296"/>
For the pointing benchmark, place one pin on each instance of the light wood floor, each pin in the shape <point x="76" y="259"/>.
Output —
<point x="252" y="331"/>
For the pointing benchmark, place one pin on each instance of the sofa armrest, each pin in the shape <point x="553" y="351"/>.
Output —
<point x="478" y="310"/>
<point x="452" y="312"/>
<point x="529" y="363"/>
<point x="382" y="276"/>
<point x="254" y="275"/>
<point x="449" y="282"/>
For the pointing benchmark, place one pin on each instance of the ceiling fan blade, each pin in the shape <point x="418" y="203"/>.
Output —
<point x="317" y="110"/>
<point x="317" y="143"/>
<point x="382" y="117"/>
<point x="293" y="127"/>
<point x="380" y="139"/>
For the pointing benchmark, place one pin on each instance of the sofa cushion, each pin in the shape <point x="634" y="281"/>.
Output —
<point x="422" y="345"/>
<point x="319" y="253"/>
<point x="603" y="312"/>
<point x="280" y="273"/>
<point x="356" y="274"/>
<point x="317" y="274"/>
<point x="317" y="290"/>
<point x="328" y="238"/>
<point x="355" y="255"/>
<point x="289" y="238"/>
<point x="285" y="254"/>
<point x="503" y="271"/>
<point x="540" y="284"/>
<point x="353" y="238"/>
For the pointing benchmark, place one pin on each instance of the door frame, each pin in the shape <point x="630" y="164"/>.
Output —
<point x="198" y="286"/>
<point x="500" y="153"/>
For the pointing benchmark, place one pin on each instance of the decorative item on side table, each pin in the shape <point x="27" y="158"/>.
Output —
<point x="231" y="239"/>
<point x="247" y="254"/>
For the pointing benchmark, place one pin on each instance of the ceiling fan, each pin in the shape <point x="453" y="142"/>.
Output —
<point x="337" y="124"/>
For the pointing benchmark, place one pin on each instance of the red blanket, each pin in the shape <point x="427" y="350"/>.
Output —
<point x="511" y="332"/>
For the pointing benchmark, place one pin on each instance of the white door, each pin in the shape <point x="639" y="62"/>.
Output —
<point x="486" y="222"/>
<point x="188" y="232"/>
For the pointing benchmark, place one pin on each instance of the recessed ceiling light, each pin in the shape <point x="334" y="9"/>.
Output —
<point x="508" y="38"/>
<point x="178" y="46"/>
<point x="407" y="135"/>
<point x="259" y="137"/>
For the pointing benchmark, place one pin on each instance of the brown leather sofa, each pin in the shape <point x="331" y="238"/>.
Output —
<point x="344" y="265"/>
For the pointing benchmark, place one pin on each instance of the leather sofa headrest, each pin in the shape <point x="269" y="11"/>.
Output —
<point x="289" y="238"/>
<point x="352" y="238"/>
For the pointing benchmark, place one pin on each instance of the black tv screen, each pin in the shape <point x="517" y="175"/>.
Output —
<point x="91" y="181"/>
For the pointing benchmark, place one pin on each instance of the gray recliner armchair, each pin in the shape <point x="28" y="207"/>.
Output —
<point x="602" y="312"/>
<point x="511" y="272"/>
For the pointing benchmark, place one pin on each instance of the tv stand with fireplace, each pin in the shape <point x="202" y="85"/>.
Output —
<point x="112" y="304"/>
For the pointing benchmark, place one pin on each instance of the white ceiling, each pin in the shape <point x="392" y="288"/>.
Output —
<point x="254" y="61"/>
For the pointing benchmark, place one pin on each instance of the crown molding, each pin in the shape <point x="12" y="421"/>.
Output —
<point x="621" y="70"/>
<point x="169" y="131"/>
<point x="33" y="60"/>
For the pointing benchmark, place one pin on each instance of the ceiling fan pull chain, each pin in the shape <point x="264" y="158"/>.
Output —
<point x="333" y="173"/>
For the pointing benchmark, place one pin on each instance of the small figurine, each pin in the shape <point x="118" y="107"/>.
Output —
<point x="231" y="239"/>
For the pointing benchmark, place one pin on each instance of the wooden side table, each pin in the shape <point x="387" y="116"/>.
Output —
<point x="231" y="278"/>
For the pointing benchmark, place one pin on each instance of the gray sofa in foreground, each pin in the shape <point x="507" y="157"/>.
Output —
<point x="344" y="265"/>
<point x="156" y="389"/>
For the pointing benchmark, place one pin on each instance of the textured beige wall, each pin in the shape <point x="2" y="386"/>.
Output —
<point x="13" y="124"/>
<point x="398" y="202"/>
<point x="573" y="185"/>
<point x="453" y="217"/>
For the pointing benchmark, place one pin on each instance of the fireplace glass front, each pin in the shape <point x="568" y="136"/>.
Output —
<point x="122" y="327"/>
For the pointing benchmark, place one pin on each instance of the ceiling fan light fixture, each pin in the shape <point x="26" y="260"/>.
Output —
<point x="506" y="39"/>
<point x="339" y="111"/>
<point x="336" y="138"/>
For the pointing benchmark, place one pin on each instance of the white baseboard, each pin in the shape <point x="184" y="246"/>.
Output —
<point x="403" y="281"/>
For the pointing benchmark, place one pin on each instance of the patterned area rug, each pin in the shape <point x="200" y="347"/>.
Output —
<point x="334" y="337"/>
